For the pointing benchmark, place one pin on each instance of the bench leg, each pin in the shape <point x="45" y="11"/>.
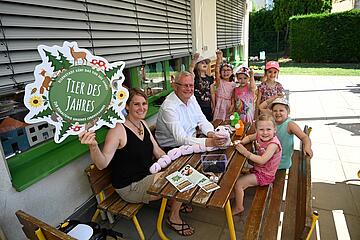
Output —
<point x="138" y="228"/>
<point x="96" y="214"/>
<point x="39" y="234"/>
<point x="110" y="217"/>
<point x="160" y="220"/>
<point x="315" y="217"/>
<point x="230" y="221"/>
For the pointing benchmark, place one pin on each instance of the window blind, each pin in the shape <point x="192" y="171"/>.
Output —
<point x="134" y="31"/>
<point x="229" y="22"/>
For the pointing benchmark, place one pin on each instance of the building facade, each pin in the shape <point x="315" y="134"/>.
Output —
<point x="155" y="38"/>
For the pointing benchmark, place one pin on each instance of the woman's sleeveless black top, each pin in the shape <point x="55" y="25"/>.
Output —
<point x="132" y="162"/>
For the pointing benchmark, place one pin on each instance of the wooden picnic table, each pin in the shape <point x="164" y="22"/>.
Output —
<point x="216" y="199"/>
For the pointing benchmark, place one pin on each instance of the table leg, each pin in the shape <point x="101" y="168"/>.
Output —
<point x="160" y="220"/>
<point x="230" y="221"/>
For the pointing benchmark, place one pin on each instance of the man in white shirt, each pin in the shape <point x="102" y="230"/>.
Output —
<point x="180" y="114"/>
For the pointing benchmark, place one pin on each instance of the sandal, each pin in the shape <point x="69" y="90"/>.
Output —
<point x="185" y="208"/>
<point x="184" y="226"/>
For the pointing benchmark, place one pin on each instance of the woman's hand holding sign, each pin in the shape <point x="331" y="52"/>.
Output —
<point x="88" y="138"/>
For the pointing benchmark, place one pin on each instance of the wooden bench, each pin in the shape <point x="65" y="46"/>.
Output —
<point x="36" y="229"/>
<point x="108" y="200"/>
<point x="268" y="206"/>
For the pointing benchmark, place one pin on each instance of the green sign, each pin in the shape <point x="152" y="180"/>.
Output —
<point x="75" y="91"/>
<point x="80" y="95"/>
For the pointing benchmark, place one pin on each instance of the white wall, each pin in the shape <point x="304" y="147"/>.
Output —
<point x="52" y="199"/>
<point x="204" y="26"/>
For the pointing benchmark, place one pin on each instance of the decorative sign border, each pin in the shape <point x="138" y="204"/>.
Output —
<point x="75" y="91"/>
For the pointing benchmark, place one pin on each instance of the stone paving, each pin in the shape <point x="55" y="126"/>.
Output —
<point x="331" y="106"/>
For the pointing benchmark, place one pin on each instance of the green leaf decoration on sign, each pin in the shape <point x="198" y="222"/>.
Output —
<point x="111" y="72"/>
<point x="55" y="63"/>
<point x="64" y="61"/>
<point x="45" y="113"/>
<point x="110" y="114"/>
<point x="64" y="128"/>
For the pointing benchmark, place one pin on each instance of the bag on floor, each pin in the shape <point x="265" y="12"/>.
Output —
<point x="88" y="231"/>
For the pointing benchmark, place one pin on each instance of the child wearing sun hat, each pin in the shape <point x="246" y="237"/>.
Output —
<point x="286" y="129"/>
<point x="202" y="82"/>
<point x="270" y="87"/>
<point x="244" y="93"/>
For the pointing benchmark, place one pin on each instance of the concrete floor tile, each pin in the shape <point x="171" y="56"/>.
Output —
<point x="209" y="215"/>
<point x="353" y="223"/>
<point x="351" y="171"/>
<point x="355" y="191"/>
<point x="225" y="234"/>
<point x="327" y="169"/>
<point x="336" y="196"/>
<point x="325" y="151"/>
<point x="349" y="153"/>
<point x="147" y="218"/>
<point x="346" y="132"/>
<point x="321" y="135"/>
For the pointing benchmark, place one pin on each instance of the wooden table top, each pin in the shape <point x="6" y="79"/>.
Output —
<point x="197" y="196"/>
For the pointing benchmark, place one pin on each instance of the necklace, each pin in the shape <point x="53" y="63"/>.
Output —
<point x="140" y="131"/>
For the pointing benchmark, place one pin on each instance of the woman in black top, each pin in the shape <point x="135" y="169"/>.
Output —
<point x="129" y="149"/>
<point x="199" y="66"/>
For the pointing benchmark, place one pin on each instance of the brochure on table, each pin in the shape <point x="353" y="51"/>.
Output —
<point x="188" y="177"/>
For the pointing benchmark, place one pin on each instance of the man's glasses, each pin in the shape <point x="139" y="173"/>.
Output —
<point x="185" y="85"/>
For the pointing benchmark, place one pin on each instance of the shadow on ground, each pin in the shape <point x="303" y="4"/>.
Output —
<point x="351" y="127"/>
<point x="338" y="203"/>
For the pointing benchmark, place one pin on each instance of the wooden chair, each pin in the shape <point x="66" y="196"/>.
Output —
<point x="108" y="200"/>
<point x="264" y="220"/>
<point x="36" y="229"/>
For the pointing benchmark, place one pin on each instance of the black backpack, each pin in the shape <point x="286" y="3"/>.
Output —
<point x="98" y="232"/>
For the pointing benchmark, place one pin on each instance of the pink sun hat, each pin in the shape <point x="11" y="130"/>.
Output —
<point x="272" y="64"/>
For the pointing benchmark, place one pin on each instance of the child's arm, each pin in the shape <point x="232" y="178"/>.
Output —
<point x="269" y="152"/>
<point x="233" y="99"/>
<point x="293" y="128"/>
<point x="263" y="107"/>
<point x="258" y="99"/>
<point x="249" y="138"/>
<point x="252" y="81"/>
<point x="193" y="62"/>
<point x="219" y="58"/>
<point x="232" y="103"/>
<point x="213" y="96"/>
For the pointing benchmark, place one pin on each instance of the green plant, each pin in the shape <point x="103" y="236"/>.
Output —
<point x="325" y="37"/>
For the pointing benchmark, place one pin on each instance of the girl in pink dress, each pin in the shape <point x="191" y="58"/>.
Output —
<point x="270" y="87"/>
<point x="222" y="89"/>
<point x="244" y="94"/>
<point x="266" y="160"/>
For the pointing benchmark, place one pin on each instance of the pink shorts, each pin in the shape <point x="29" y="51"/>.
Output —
<point x="261" y="178"/>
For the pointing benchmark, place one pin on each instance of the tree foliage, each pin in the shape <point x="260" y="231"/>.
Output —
<point x="284" y="9"/>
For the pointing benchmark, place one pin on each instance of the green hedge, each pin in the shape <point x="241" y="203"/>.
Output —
<point x="325" y="37"/>
<point x="262" y="33"/>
